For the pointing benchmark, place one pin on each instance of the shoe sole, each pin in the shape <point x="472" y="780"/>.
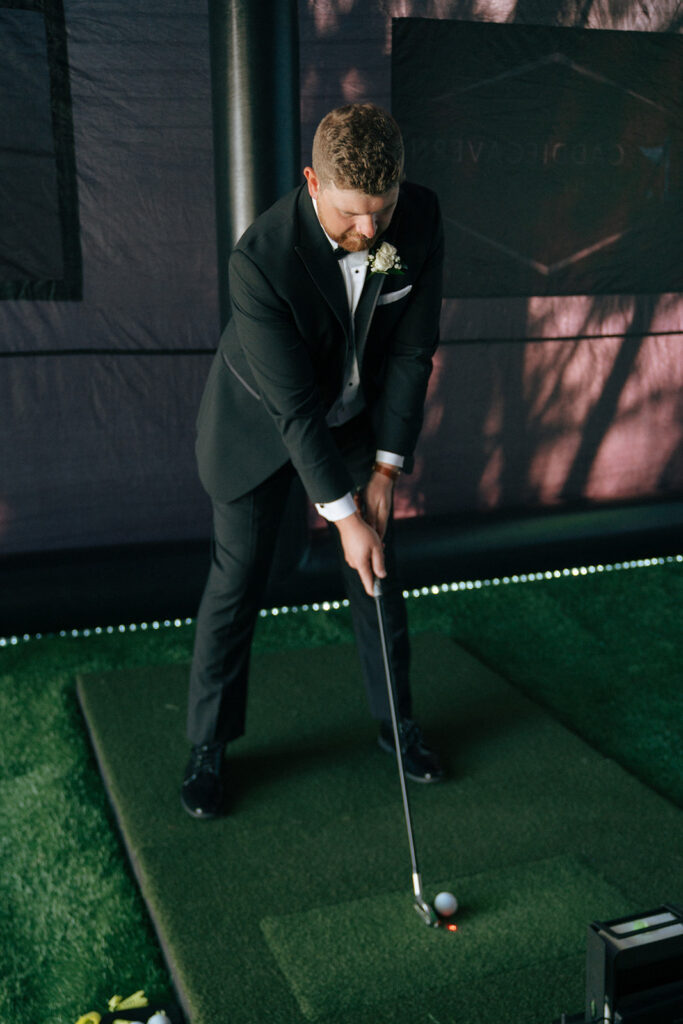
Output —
<point x="199" y="815"/>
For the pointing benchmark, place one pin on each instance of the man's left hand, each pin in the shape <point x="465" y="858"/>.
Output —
<point x="377" y="497"/>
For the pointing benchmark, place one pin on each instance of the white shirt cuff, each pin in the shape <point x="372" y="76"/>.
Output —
<point x="389" y="459"/>
<point x="339" y="509"/>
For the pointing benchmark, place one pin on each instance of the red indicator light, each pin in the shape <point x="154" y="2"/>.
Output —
<point x="452" y="927"/>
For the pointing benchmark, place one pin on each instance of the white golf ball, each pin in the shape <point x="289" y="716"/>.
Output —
<point x="445" y="904"/>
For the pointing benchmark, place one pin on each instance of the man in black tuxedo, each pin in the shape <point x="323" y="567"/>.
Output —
<point x="322" y="372"/>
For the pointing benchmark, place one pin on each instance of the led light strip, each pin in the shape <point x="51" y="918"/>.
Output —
<point x="327" y="606"/>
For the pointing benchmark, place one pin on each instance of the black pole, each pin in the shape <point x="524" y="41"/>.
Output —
<point x="255" y="98"/>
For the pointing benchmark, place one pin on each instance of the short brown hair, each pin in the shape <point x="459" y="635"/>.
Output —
<point x="359" y="147"/>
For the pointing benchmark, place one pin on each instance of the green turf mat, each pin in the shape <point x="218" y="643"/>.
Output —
<point x="333" y="956"/>
<point x="316" y="822"/>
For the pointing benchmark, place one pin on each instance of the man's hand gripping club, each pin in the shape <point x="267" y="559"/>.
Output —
<point x="362" y="533"/>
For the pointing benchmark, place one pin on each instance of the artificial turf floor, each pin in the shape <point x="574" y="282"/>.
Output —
<point x="296" y="907"/>
<point x="600" y="650"/>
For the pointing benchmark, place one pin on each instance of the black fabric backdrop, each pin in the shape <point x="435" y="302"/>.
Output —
<point x="98" y="396"/>
<point x="530" y="404"/>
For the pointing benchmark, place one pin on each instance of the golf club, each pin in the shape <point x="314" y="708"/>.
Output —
<point x="426" y="911"/>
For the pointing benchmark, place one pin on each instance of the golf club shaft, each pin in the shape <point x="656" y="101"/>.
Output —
<point x="391" y="695"/>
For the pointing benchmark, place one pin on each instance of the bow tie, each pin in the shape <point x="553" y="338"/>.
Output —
<point x="340" y="253"/>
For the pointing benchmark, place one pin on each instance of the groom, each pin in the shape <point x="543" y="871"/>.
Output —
<point x="321" y="372"/>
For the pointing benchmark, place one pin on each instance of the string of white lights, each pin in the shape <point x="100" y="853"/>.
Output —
<point x="327" y="606"/>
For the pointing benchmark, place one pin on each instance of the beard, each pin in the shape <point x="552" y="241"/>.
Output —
<point x="352" y="241"/>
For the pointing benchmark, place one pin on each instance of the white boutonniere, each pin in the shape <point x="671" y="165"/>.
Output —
<point x="385" y="260"/>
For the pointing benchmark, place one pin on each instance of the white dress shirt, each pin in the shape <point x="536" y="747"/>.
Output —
<point x="350" y="402"/>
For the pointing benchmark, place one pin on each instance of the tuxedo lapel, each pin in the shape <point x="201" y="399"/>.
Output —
<point x="365" y="309"/>
<point x="373" y="286"/>
<point x="318" y="258"/>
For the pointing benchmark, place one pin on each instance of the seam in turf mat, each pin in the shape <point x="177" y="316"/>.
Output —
<point x="342" y="956"/>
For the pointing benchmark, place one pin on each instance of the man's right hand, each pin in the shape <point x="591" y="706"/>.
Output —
<point x="363" y="549"/>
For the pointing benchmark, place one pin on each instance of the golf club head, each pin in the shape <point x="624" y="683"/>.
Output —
<point x="426" y="912"/>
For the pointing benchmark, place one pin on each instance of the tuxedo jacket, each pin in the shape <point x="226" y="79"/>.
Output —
<point x="280" y="360"/>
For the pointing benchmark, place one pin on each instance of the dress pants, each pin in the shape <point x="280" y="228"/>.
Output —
<point x="243" y="543"/>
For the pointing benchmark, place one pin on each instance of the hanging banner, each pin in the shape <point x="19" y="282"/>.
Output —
<point x="40" y="252"/>
<point x="556" y="153"/>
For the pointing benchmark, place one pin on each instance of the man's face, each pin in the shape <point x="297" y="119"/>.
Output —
<point x="353" y="219"/>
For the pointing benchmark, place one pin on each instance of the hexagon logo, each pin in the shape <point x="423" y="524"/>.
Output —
<point x="556" y="154"/>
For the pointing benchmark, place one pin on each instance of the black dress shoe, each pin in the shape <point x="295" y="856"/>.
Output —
<point x="419" y="762"/>
<point x="202" y="790"/>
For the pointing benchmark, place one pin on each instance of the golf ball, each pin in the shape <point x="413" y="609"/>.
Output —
<point x="445" y="904"/>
